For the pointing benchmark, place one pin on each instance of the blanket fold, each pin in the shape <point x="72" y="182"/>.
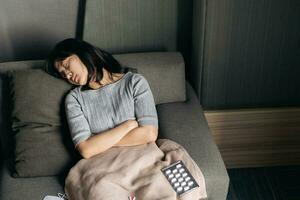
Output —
<point x="120" y="172"/>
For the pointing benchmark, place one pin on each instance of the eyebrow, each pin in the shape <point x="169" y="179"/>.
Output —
<point x="60" y="63"/>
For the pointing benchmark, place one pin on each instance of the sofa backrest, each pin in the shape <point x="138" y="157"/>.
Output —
<point x="165" y="72"/>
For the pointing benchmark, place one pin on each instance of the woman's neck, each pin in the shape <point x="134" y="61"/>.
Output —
<point x="105" y="80"/>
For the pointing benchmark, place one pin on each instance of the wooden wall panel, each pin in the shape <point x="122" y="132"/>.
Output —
<point x="257" y="137"/>
<point x="246" y="53"/>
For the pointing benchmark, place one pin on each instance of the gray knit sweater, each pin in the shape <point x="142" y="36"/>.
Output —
<point x="93" y="111"/>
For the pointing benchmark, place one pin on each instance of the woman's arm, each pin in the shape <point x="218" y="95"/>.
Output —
<point x="101" y="142"/>
<point x="145" y="114"/>
<point x="139" y="135"/>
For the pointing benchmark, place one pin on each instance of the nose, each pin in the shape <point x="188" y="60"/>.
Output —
<point x="67" y="74"/>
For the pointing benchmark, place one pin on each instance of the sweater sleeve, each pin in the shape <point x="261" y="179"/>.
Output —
<point x="144" y="105"/>
<point x="78" y="124"/>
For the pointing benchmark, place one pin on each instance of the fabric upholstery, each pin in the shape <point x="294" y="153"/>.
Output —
<point x="181" y="115"/>
<point x="7" y="143"/>
<point x="34" y="188"/>
<point x="196" y="140"/>
<point x="42" y="143"/>
<point x="184" y="122"/>
<point x="40" y="117"/>
<point x="163" y="70"/>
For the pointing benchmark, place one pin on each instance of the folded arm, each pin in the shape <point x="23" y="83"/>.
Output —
<point x="144" y="131"/>
<point x="139" y="135"/>
<point x="103" y="141"/>
<point x="125" y="134"/>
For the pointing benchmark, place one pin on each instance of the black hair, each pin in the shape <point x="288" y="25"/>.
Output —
<point x="91" y="56"/>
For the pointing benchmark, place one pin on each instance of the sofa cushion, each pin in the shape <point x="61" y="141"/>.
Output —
<point x="185" y="123"/>
<point x="165" y="72"/>
<point x="7" y="141"/>
<point x="42" y="143"/>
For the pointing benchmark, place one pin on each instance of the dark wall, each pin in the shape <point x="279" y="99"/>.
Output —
<point x="237" y="53"/>
<point x="247" y="53"/>
<point x="139" y="26"/>
<point x="30" y="28"/>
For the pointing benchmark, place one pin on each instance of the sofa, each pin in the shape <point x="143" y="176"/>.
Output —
<point x="180" y="117"/>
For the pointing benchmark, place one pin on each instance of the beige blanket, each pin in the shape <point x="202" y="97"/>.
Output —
<point x="120" y="172"/>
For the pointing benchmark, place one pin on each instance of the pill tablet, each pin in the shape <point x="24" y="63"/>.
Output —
<point x="183" y="184"/>
<point x="178" y="166"/>
<point x="181" y="170"/>
<point x="180" y="179"/>
<point x="171" y="176"/>
<point x="175" y="171"/>
<point x="176" y="184"/>
<point x="190" y="183"/>
<point x="179" y="189"/>
<point x="186" y="188"/>
<point x="184" y="174"/>
<point x="168" y="171"/>
<point x="173" y="180"/>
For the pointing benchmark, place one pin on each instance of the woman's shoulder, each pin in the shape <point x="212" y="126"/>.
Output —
<point x="73" y="93"/>
<point x="138" y="78"/>
<point x="134" y="77"/>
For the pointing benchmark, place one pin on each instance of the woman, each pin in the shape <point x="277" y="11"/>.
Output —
<point x="110" y="105"/>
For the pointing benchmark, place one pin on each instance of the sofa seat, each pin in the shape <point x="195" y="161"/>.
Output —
<point x="27" y="188"/>
<point x="193" y="133"/>
<point x="185" y="123"/>
<point x="182" y="122"/>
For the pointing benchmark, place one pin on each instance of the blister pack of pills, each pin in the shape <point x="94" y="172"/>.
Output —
<point x="59" y="196"/>
<point x="179" y="177"/>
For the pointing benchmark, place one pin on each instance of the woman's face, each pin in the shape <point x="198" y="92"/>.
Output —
<point x="72" y="69"/>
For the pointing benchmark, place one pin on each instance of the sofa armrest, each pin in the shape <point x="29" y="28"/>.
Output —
<point x="184" y="123"/>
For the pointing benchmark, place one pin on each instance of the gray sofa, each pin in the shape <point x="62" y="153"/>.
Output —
<point x="180" y="119"/>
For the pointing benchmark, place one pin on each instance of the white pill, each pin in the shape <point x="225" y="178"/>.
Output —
<point x="175" y="171"/>
<point x="183" y="184"/>
<point x="178" y="166"/>
<point x="181" y="170"/>
<point x="180" y="179"/>
<point x="184" y="174"/>
<point x="168" y="171"/>
<point x="171" y="176"/>
<point x="176" y="184"/>
<point x="173" y="180"/>
<point x="190" y="183"/>
<point x="186" y="188"/>
<point x="187" y="178"/>
<point x="177" y="175"/>
<point x="179" y="189"/>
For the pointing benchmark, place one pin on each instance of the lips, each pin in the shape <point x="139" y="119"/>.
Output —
<point x="74" y="78"/>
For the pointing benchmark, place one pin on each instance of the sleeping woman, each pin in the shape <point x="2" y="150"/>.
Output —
<point x="109" y="106"/>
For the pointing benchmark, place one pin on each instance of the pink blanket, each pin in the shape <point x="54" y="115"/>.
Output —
<point x="120" y="172"/>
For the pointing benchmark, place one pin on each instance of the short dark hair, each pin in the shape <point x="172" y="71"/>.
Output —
<point x="91" y="56"/>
